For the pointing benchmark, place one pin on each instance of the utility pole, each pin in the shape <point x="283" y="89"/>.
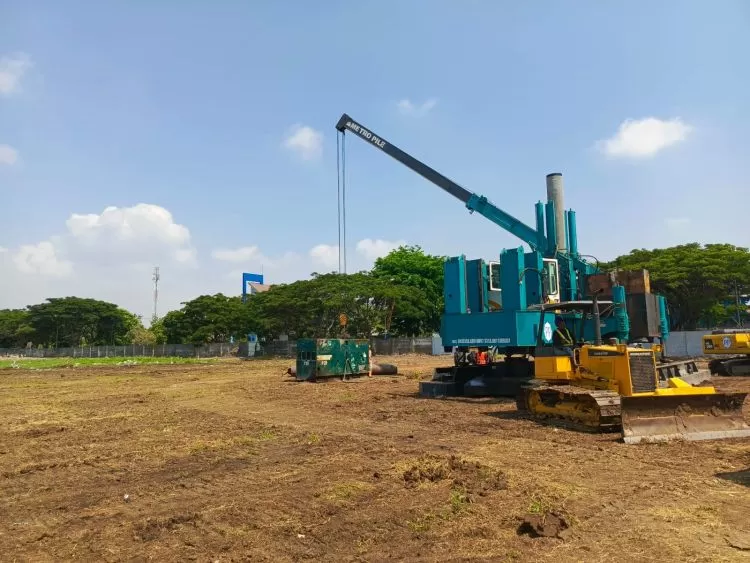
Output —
<point x="156" y="277"/>
<point x="737" y="303"/>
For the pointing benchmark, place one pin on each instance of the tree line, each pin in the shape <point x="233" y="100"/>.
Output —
<point x="402" y="295"/>
<point x="704" y="284"/>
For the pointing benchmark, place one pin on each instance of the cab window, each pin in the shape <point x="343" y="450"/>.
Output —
<point x="551" y="278"/>
<point x="495" y="276"/>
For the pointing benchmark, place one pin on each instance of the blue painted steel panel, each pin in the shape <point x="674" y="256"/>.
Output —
<point x="454" y="286"/>
<point x="663" y="318"/>
<point x="498" y="328"/>
<point x="533" y="265"/>
<point x="541" y="240"/>
<point x="572" y="233"/>
<point x="621" y="313"/>
<point x="479" y="329"/>
<point x="568" y="282"/>
<point x="513" y="283"/>
<point x="475" y="289"/>
<point x="527" y="326"/>
<point x="247" y="279"/>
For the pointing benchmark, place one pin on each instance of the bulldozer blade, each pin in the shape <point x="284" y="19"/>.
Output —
<point x="662" y="418"/>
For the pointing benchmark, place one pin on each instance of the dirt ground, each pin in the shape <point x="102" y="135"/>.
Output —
<point x="236" y="462"/>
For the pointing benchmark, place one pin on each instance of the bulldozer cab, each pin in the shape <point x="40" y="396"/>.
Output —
<point x="553" y="360"/>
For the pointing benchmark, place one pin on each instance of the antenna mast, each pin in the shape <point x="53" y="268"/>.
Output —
<point x="156" y="277"/>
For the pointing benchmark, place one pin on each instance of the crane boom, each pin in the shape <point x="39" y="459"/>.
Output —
<point x="473" y="202"/>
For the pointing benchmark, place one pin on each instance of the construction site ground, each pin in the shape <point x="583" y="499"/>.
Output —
<point x="236" y="462"/>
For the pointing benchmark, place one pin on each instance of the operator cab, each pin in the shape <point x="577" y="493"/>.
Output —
<point x="550" y="283"/>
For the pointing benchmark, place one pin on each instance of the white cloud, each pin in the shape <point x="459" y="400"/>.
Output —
<point x="8" y="155"/>
<point x="110" y="256"/>
<point x="407" y="107"/>
<point x="644" y="138"/>
<point x="3" y="249"/>
<point x="144" y="233"/>
<point x="41" y="258"/>
<point x="374" y="249"/>
<point x="185" y="255"/>
<point x="305" y="141"/>
<point x="12" y="69"/>
<point x="138" y="236"/>
<point x="326" y="255"/>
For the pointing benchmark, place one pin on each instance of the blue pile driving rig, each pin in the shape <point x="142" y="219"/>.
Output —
<point x="494" y="306"/>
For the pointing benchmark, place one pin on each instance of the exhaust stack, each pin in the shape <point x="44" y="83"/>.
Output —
<point x="555" y="194"/>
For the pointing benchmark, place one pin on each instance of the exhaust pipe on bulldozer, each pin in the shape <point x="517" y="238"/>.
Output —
<point x="663" y="418"/>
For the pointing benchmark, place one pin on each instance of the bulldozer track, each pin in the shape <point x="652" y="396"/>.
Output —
<point x="646" y="419"/>
<point x="606" y="403"/>
<point x="737" y="366"/>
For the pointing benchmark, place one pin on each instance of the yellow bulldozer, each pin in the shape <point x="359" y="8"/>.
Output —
<point x="616" y="387"/>
<point x="731" y="348"/>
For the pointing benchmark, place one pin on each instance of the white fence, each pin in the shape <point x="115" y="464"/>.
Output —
<point x="213" y="350"/>
<point x="281" y="348"/>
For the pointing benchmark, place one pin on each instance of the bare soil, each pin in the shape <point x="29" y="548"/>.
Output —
<point x="237" y="462"/>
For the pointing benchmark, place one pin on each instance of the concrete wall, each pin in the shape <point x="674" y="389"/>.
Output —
<point x="437" y="346"/>
<point x="686" y="343"/>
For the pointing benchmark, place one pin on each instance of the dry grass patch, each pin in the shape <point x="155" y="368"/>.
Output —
<point x="347" y="491"/>
<point x="703" y="516"/>
<point x="471" y="476"/>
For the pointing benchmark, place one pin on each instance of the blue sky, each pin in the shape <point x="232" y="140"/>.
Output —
<point x="188" y="108"/>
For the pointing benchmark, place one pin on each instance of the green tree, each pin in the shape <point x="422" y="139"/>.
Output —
<point x="158" y="332"/>
<point x="141" y="335"/>
<point x="175" y="329"/>
<point x="207" y="318"/>
<point x="411" y="268"/>
<point x="698" y="281"/>
<point x="312" y="308"/>
<point x="15" y="331"/>
<point x="73" y="321"/>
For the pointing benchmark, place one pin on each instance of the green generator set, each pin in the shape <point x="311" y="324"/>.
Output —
<point x="321" y="358"/>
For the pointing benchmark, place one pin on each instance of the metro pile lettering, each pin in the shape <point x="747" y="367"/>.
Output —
<point x="365" y="134"/>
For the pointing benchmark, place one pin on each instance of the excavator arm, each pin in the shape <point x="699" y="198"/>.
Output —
<point x="474" y="202"/>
